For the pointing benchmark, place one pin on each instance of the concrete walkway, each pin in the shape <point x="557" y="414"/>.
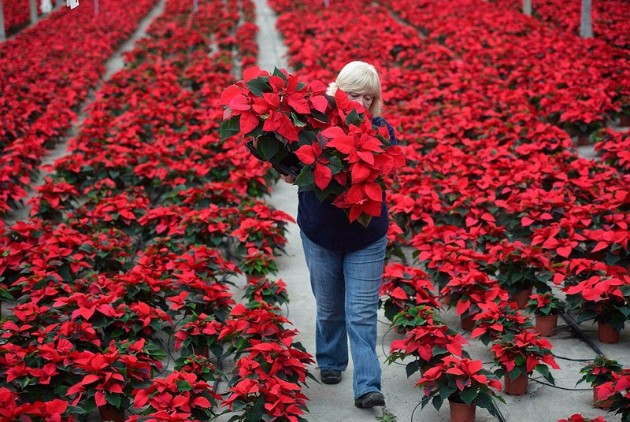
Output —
<point x="334" y="403"/>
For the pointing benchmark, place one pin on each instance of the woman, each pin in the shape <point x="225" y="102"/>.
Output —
<point x="345" y="262"/>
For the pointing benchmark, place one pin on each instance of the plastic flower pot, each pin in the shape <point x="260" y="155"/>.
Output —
<point x="546" y="325"/>
<point x="468" y="323"/>
<point x="583" y="139"/>
<point x="462" y="412"/>
<point x="517" y="386"/>
<point x="110" y="413"/>
<point x="202" y="350"/>
<point x="606" y="333"/>
<point x="522" y="297"/>
<point x="601" y="404"/>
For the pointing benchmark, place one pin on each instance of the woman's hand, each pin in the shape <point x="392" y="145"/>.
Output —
<point x="288" y="179"/>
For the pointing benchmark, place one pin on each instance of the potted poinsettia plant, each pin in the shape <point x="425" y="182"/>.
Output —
<point x="195" y="398"/>
<point x="328" y="144"/>
<point x="598" y="372"/>
<point x="498" y="320"/>
<point x="110" y="377"/>
<point x="519" y="268"/>
<point x="466" y="385"/>
<point x="273" y="292"/>
<point x="427" y="344"/>
<point x="521" y="355"/>
<point x="404" y="286"/>
<point x="617" y="393"/>
<point x="605" y="299"/>
<point x="198" y="334"/>
<point x="546" y="307"/>
<point x="470" y="290"/>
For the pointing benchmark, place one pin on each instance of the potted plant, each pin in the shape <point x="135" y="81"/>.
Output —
<point x="546" y="307"/>
<point x="604" y="299"/>
<point x="520" y="268"/>
<point x="470" y="290"/>
<point x="273" y="292"/>
<point x="598" y="372"/>
<point x="110" y="377"/>
<point x="617" y="393"/>
<point x="521" y="355"/>
<point x="198" y="334"/>
<point x="498" y="320"/>
<point x="179" y="394"/>
<point x="403" y="287"/>
<point x="428" y="344"/>
<point x="258" y="262"/>
<point x="464" y="383"/>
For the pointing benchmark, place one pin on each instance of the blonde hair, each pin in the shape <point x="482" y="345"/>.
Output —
<point x="360" y="78"/>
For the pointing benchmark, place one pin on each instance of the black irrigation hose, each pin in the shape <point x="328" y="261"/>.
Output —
<point x="383" y="348"/>
<point x="573" y="325"/>
<point x="560" y="388"/>
<point x="414" y="410"/>
<point x="571" y="359"/>
<point x="499" y="414"/>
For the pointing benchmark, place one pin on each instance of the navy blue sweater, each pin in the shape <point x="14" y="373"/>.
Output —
<point x="327" y="225"/>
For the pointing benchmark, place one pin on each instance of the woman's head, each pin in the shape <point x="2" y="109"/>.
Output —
<point x="361" y="82"/>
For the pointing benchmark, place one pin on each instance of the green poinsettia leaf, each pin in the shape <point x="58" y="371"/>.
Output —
<point x="353" y="118"/>
<point x="468" y="395"/>
<point x="306" y="137"/>
<point x="183" y="386"/>
<point x="543" y="370"/>
<point x="113" y="399"/>
<point x="279" y="73"/>
<point x="306" y="179"/>
<point x="230" y="127"/>
<point x="437" y="402"/>
<point x="269" y="147"/>
<point x="258" y="86"/>
<point x="412" y="367"/>
<point x="335" y="164"/>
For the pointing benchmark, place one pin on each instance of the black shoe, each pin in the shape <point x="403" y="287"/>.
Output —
<point x="330" y="376"/>
<point x="371" y="399"/>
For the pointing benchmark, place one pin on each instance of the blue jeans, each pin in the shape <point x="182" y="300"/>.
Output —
<point x="346" y="288"/>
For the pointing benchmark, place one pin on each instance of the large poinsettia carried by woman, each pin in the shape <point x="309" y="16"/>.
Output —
<point x="328" y="143"/>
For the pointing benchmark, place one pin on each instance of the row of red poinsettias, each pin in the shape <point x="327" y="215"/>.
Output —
<point x="493" y="198"/>
<point x="607" y="18"/>
<point x="42" y="90"/>
<point x="133" y="247"/>
<point x="16" y="16"/>
<point x="575" y="83"/>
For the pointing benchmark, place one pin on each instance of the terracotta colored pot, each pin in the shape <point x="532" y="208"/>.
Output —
<point x="202" y="350"/>
<point x="521" y="298"/>
<point x="468" y="323"/>
<point x="600" y="404"/>
<point x="110" y="413"/>
<point x="516" y="387"/>
<point x="583" y="139"/>
<point x="546" y="324"/>
<point x="607" y="334"/>
<point x="462" y="412"/>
